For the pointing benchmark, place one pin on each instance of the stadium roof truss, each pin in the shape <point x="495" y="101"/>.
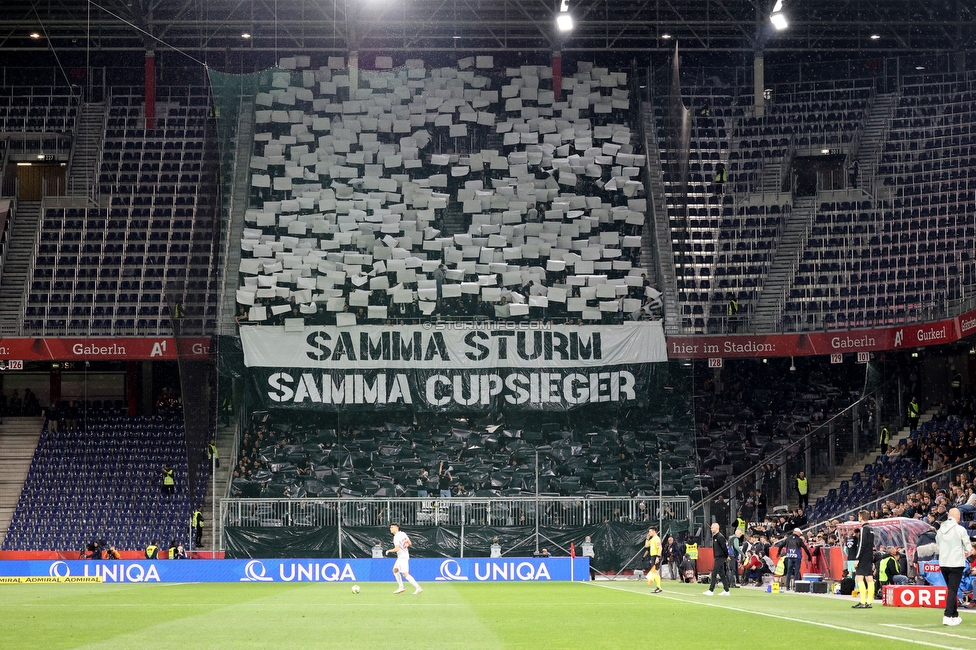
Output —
<point x="472" y="26"/>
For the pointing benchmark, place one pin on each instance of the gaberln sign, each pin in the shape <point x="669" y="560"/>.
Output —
<point x="434" y="367"/>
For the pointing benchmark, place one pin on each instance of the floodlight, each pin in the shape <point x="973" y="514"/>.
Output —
<point x="564" y="22"/>
<point x="35" y="35"/>
<point x="875" y="37"/>
<point x="779" y="22"/>
<point x="666" y="37"/>
<point x="778" y="7"/>
<point x="245" y="35"/>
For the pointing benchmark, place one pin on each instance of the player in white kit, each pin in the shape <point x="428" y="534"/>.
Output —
<point x="401" y="568"/>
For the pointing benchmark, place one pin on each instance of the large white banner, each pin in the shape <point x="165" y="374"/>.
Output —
<point x="446" y="346"/>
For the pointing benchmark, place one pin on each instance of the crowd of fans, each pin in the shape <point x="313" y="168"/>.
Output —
<point x="452" y="458"/>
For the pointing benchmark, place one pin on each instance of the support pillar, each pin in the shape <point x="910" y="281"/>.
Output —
<point x="132" y="386"/>
<point x="557" y="74"/>
<point x="831" y="453"/>
<point x="353" y="74"/>
<point x="150" y="89"/>
<point x="54" y="390"/>
<point x="759" y="84"/>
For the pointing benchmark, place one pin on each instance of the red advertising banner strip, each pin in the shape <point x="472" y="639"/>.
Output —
<point x="732" y="346"/>
<point x="102" y="349"/>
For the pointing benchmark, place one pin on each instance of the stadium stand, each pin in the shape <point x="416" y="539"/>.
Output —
<point x="37" y="109"/>
<point x="281" y="458"/>
<point x="103" y="270"/>
<point x="547" y="224"/>
<point x="101" y="480"/>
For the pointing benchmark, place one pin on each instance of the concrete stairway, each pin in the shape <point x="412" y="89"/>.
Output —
<point x="18" y="440"/>
<point x="820" y="487"/>
<point x="873" y="136"/>
<point x="767" y="313"/>
<point x="454" y="218"/>
<point x="85" y="152"/>
<point x="657" y="229"/>
<point x="235" y="226"/>
<point x="225" y="447"/>
<point x="16" y="263"/>
<point x="771" y="181"/>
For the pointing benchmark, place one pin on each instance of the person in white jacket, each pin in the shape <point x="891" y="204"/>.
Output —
<point x="954" y="546"/>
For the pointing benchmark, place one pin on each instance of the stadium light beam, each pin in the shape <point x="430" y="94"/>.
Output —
<point x="779" y="21"/>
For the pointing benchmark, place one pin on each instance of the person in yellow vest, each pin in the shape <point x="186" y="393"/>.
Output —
<point x="740" y="523"/>
<point x="652" y="550"/>
<point x="913" y="412"/>
<point x="197" y="521"/>
<point x="152" y="551"/>
<point x="885" y="438"/>
<point x="802" y="488"/>
<point x="890" y="571"/>
<point x="212" y="454"/>
<point x="169" y="480"/>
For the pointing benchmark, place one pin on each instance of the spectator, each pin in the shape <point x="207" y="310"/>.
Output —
<point x="53" y="416"/>
<point x="444" y="481"/>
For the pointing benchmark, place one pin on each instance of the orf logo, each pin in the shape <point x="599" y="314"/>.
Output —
<point x="451" y="571"/>
<point x="254" y="571"/>
<point x="59" y="569"/>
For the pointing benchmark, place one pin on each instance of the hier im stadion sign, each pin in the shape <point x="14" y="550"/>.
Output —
<point x="104" y="349"/>
<point x="742" y="346"/>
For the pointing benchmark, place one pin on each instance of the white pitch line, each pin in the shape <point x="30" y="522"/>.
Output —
<point x="916" y="629"/>
<point x="779" y="616"/>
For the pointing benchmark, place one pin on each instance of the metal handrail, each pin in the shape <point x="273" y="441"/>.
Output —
<point x="898" y="493"/>
<point x="802" y="442"/>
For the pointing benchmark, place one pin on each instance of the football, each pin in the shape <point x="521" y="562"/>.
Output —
<point x="355" y="589"/>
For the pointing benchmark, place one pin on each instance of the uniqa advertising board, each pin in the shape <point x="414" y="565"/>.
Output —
<point x="305" y="570"/>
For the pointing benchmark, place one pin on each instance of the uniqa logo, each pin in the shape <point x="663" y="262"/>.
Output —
<point x="451" y="571"/>
<point x="254" y="571"/>
<point x="56" y="567"/>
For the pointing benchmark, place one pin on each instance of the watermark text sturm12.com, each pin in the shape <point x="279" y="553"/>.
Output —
<point x="526" y="326"/>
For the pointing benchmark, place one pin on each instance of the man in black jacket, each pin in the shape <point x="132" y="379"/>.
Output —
<point x="720" y="551"/>
<point x="792" y="548"/>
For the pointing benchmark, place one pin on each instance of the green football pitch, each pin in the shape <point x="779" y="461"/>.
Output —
<point x="454" y="615"/>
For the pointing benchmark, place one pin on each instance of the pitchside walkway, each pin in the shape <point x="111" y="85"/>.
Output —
<point x="18" y="439"/>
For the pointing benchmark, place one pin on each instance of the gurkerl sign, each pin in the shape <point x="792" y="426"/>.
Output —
<point x="823" y="343"/>
<point x="306" y="570"/>
<point x="461" y="366"/>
